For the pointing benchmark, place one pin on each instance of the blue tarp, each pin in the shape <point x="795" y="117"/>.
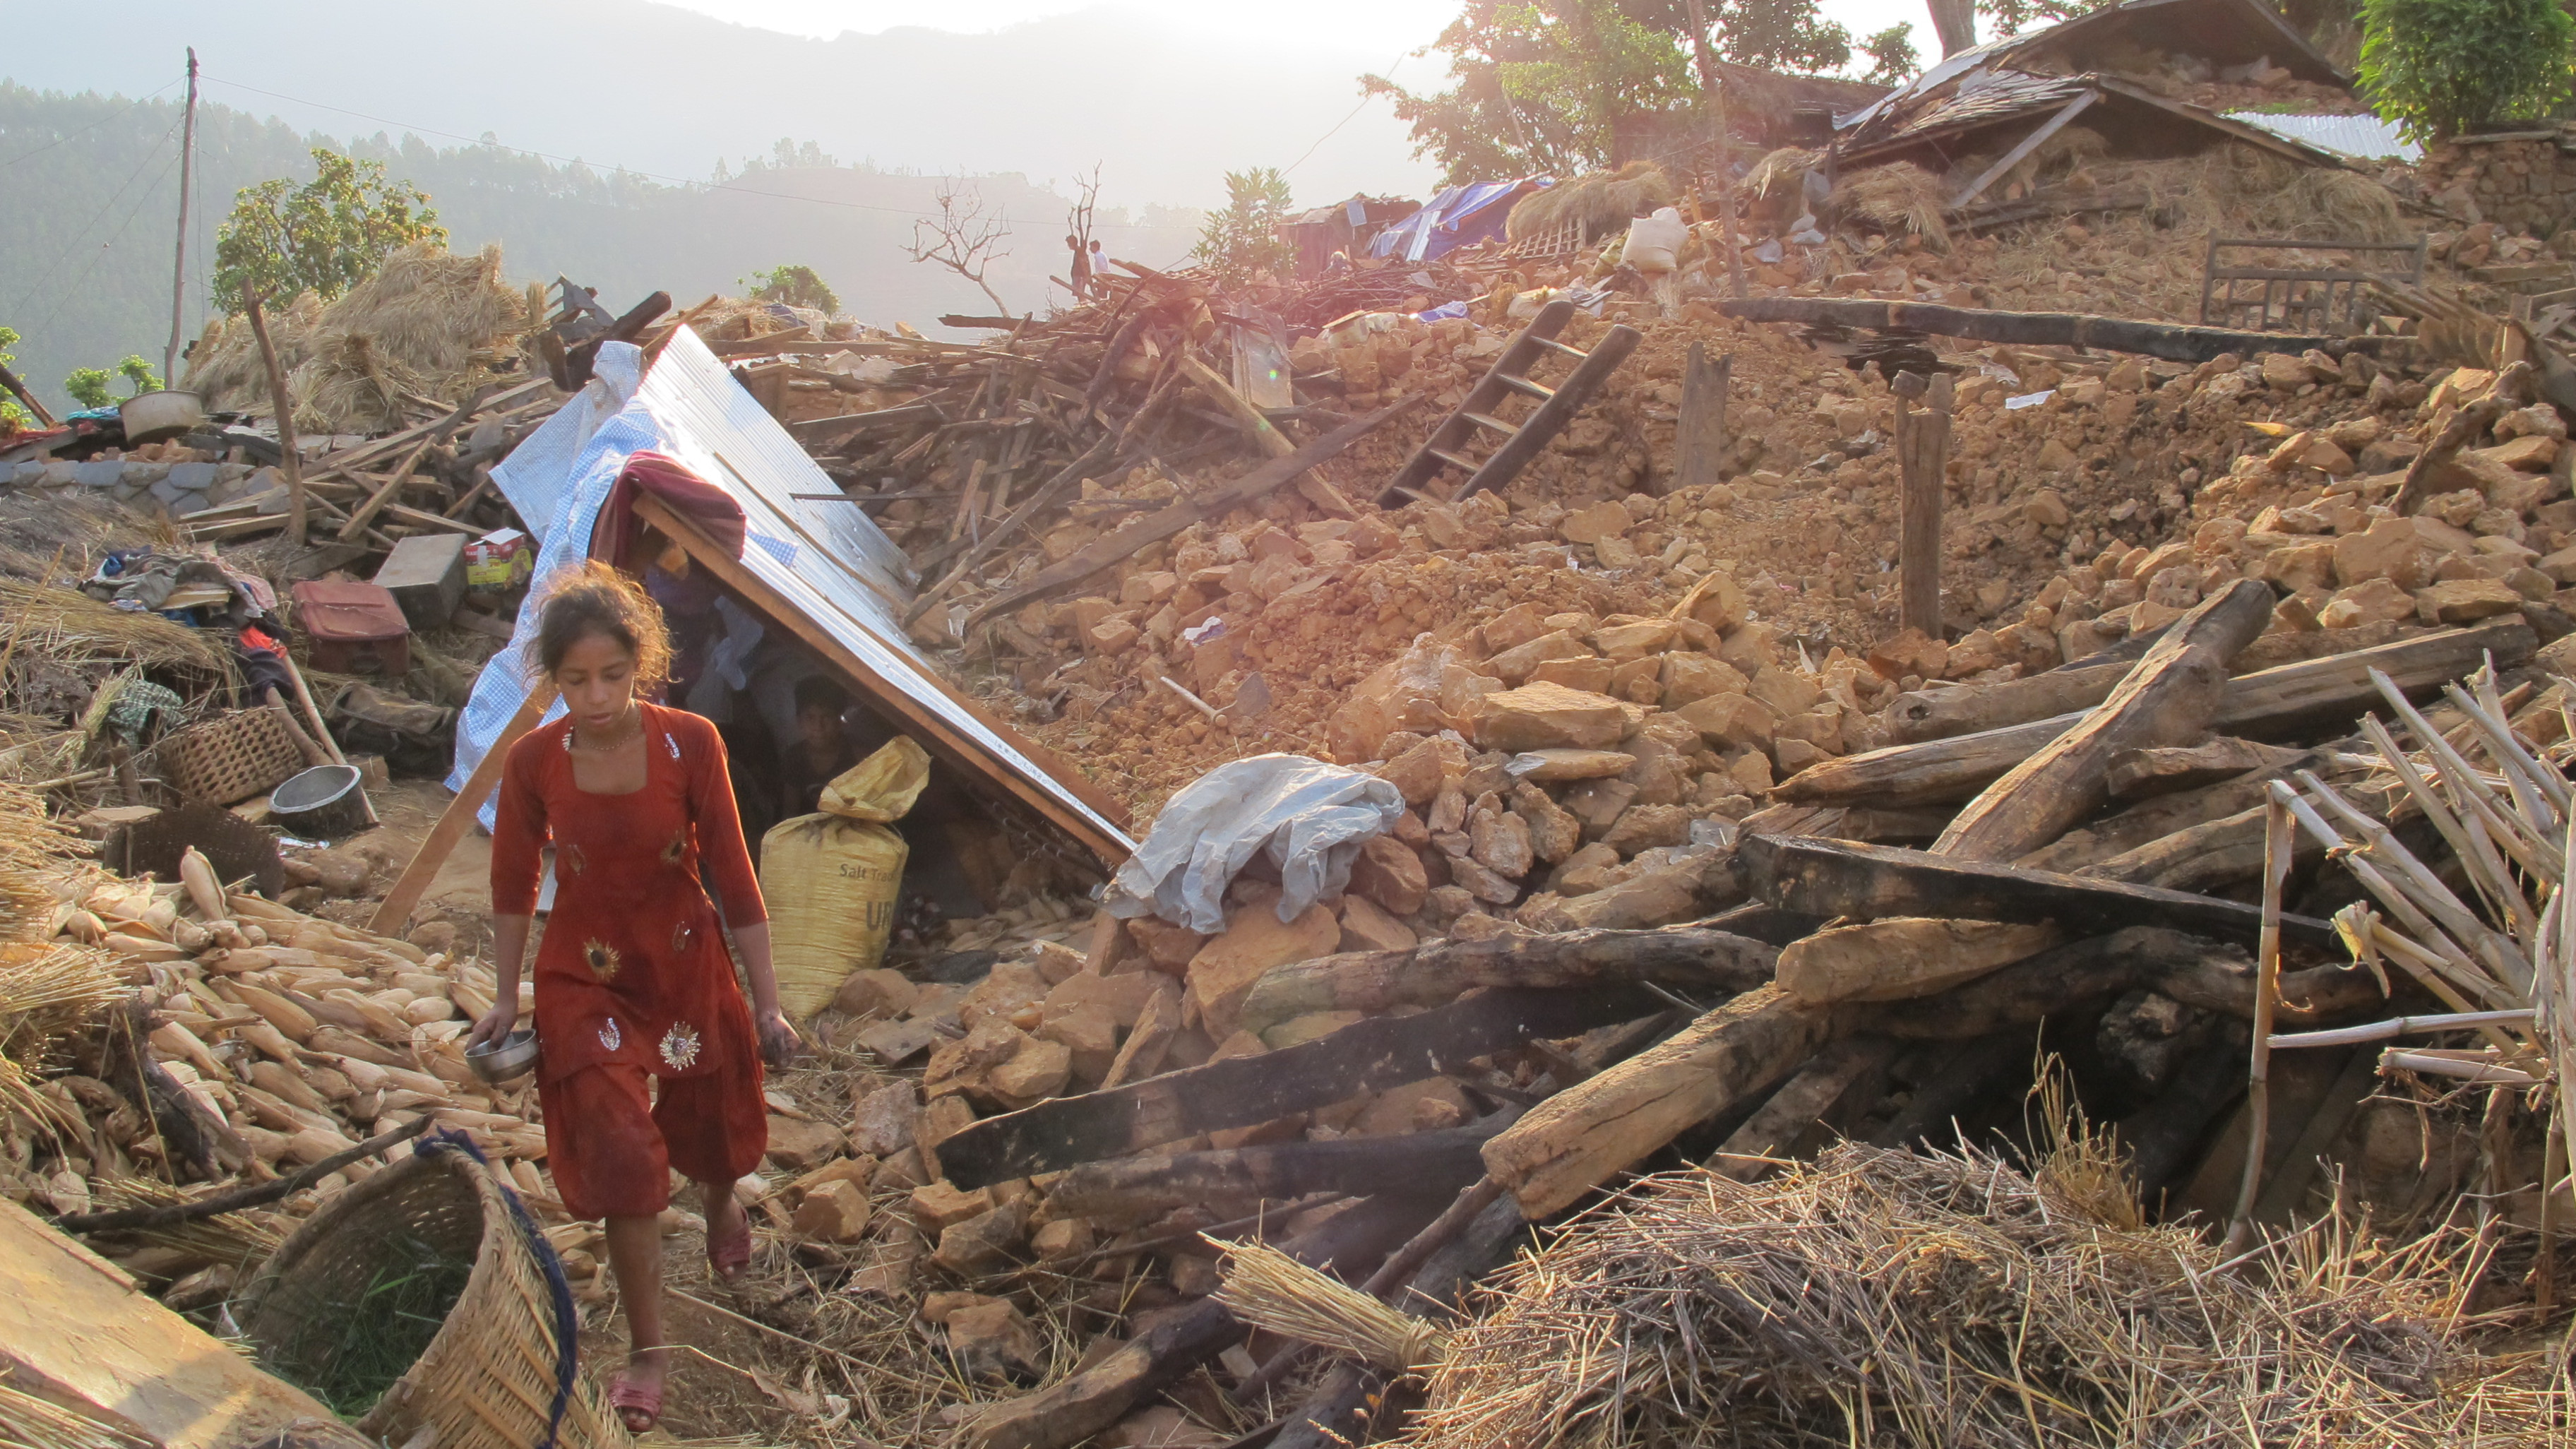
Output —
<point x="1458" y="217"/>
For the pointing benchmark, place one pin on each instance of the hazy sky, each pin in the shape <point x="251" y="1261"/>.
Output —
<point x="1393" y="26"/>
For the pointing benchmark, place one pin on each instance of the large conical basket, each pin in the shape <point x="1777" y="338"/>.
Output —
<point x="501" y="1371"/>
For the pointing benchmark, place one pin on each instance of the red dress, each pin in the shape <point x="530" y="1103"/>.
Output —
<point x="633" y="979"/>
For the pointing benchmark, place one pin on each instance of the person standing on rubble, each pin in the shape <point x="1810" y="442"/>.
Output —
<point x="649" y="1060"/>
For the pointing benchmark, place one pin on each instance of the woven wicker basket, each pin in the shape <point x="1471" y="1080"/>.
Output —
<point x="230" y="758"/>
<point x="500" y="1370"/>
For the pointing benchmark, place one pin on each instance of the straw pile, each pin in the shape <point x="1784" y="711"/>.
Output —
<point x="428" y="323"/>
<point x="1896" y="199"/>
<point x="1603" y="202"/>
<point x="1883" y="1297"/>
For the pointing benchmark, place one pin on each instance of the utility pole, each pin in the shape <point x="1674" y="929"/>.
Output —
<point x="1707" y="62"/>
<point x="179" y="277"/>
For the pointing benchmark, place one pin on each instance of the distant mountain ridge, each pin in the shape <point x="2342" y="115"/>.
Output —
<point x="660" y="89"/>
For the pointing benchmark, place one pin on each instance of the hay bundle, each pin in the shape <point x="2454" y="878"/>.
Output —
<point x="72" y="629"/>
<point x="1776" y="189"/>
<point x="428" y="322"/>
<point x="1878" y="1297"/>
<point x="1271" y="1290"/>
<point x="1601" y="203"/>
<point x="31" y="847"/>
<point x="1896" y="199"/>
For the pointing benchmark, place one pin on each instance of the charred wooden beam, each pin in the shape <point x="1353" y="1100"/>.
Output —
<point x="1134" y="1188"/>
<point x="1840" y="878"/>
<point x="1367" y="1056"/>
<point x="1685" y="958"/>
<point x="2029" y="329"/>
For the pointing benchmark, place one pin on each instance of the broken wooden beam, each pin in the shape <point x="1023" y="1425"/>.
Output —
<point x="1865" y="882"/>
<point x="2029" y="329"/>
<point x="1442" y="971"/>
<point x="1590" y="1132"/>
<point x="1367" y="1056"/>
<point x="1133" y="1189"/>
<point x="2168" y="699"/>
<point x="2270" y="704"/>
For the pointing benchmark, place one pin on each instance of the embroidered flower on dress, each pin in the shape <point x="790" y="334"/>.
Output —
<point x="671" y="744"/>
<point x="678" y="847"/>
<point x="681" y="935"/>
<point x="609" y="1036"/>
<point x="680" y="1046"/>
<point x="601" y="958"/>
<point x="574" y="862"/>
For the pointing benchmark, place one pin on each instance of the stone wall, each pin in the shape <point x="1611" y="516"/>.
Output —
<point x="2526" y="184"/>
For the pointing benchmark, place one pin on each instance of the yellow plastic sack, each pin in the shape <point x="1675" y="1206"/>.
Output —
<point x="832" y="879"/>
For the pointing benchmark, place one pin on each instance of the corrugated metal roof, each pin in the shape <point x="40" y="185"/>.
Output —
<point x="827" y="560"/>
<point x="2366" y="137"/>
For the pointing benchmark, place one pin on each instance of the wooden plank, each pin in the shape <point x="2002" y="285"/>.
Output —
<point x="1265" y="434"/>
<point x="1367" y="1056"/>
<point x="2168" y="699"/>
<point x="937" y="734"/>
<point x="1922" y="455"/>
<point x="393" y="915"/>
<point x="1819" y="1095"/>
<point x="1701" y="444"/>
<point x="1844" y="878"/>
<point x="2029" y="143"/>
<point x="2033" y="329"/>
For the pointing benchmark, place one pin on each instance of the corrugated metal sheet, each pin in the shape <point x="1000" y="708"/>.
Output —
<point x="828" y="560"/>
<point x="2366" y="137"/>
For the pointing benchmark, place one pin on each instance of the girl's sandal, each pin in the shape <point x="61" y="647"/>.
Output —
<point x="638" y="1406"/>
<point x="730" y="1259"/>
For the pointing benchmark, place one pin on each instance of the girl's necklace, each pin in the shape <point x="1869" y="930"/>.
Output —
<point x="633" y="725"/>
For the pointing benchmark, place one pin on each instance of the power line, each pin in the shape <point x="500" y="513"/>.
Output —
<point x="631" y="171"/>
<point x="1400" y="59"/>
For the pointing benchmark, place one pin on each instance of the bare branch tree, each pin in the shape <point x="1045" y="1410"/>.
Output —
<point x="962" y="238"/>
<point x="1077" y="221"/>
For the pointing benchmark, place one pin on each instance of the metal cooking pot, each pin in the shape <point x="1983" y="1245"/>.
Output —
<point x="150" y="417"/>
<point x="500" y="1061"/>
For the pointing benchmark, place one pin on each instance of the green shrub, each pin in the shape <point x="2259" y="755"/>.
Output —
<point x="2438" y="67"/>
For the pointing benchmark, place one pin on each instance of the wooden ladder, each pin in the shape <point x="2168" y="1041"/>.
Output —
<point x="1445" y="448"/>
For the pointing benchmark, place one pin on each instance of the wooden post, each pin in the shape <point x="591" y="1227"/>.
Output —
<point x="395" y="912"/>
<point x="1703" y="432"/>
<point x="179" y="270"/>
<point x="19" y="390"/>
<point x="1923" y="457"/>
<point x="2277" y="841"/>
<point x="287" y="463"/>
<point x="1707" y="63"/>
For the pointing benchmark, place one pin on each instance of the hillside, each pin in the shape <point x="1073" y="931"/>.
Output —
<point x="85" y="275"/>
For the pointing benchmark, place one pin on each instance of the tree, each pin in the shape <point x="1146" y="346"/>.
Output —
<point x="325" y="236"/>
<point x="1783" y="35"/>
<point x="2012" y="17"/>
<point x="794" y="285"/>
<point x="1244" y="238"/>
<point x="12" y="416"/>
<point x="89" y="385"/>
<point x="962" y="238"/>
<point x="1891" y="56"/>
<point x="1538" y="87"/>
<point x="2438" y="67"/>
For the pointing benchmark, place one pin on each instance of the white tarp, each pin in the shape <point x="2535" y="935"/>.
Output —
<point x="1309" y="817"/>
<point x="828" y="560"/>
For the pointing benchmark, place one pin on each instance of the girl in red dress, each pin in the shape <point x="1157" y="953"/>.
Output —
<point x="635" y="990"/>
